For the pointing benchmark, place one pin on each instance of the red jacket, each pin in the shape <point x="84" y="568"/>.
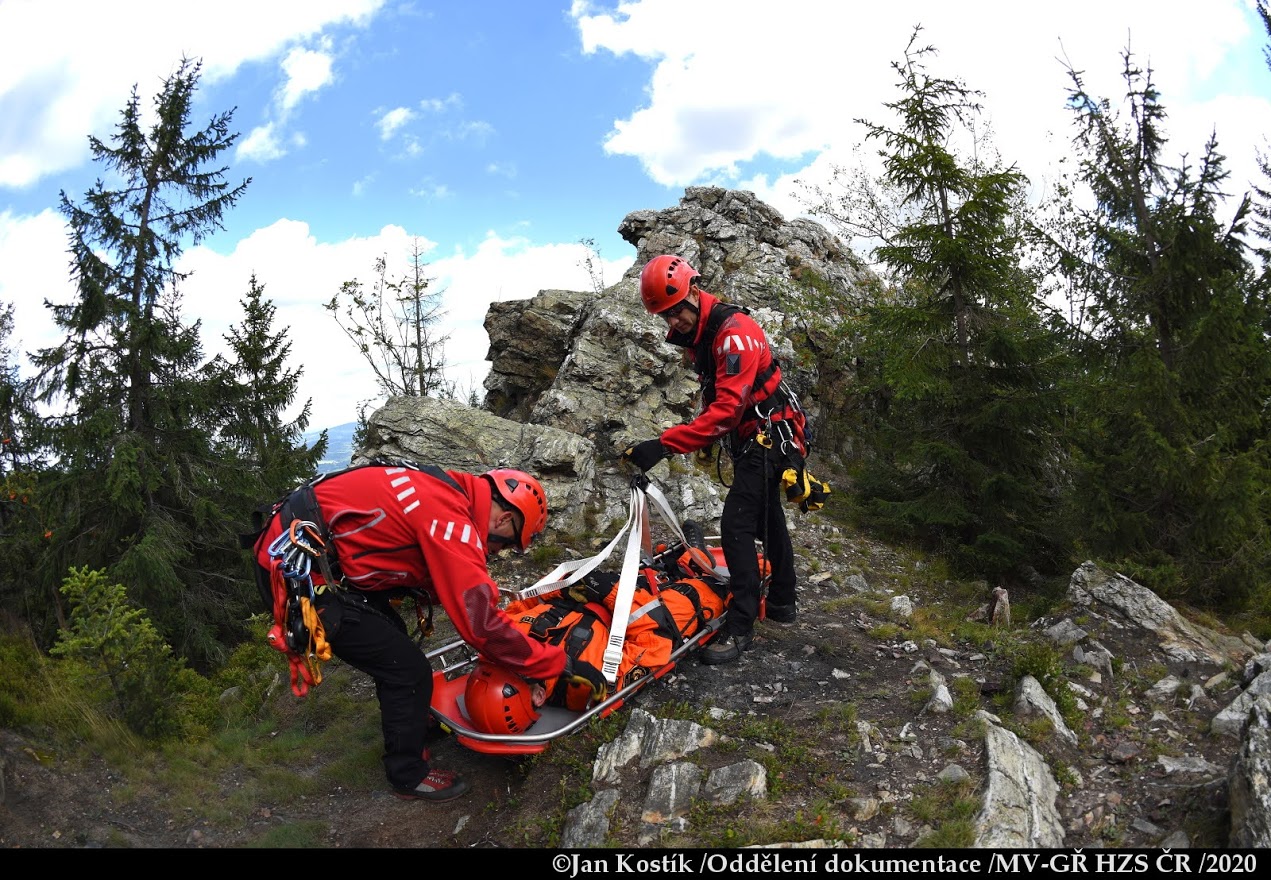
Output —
<point x="400" y="527"/>
<point x="741" y="354"/>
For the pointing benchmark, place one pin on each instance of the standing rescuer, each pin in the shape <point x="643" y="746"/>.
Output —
<point x="744" y="406"/>
<point x="388" y="529"/>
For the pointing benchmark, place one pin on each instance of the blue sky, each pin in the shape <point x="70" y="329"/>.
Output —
<point x="501" y="133"/>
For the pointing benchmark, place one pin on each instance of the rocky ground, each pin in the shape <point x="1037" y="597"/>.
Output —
<point x="836" y="707"/>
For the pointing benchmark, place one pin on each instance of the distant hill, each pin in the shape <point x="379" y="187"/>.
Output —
<point x="339" y="446"/>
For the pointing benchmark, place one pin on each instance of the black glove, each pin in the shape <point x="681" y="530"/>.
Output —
<point x="817" y="497"/>
<point x="583" y="673"/>
<point x="645" y="455"/>
<point x="594" y="587"/>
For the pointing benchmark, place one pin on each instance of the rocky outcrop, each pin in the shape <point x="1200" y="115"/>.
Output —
<point x="745" y="250"/>
<point x="597" y="365"/>
<point x="1251" y="781"/>
<point x="1019" y="809"/>
<point x="458" y="437"/>
<point x="1181" y="639"/>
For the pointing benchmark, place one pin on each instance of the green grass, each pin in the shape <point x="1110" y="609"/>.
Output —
<point x="885" y="631"/>
<point x="950" y="809"/>
<point x="966" y="696"/>
<point x="754" y="823"/>
<point x="303" y="834"/>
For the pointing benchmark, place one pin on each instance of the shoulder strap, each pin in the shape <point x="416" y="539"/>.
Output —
<point x="703" y="356"/>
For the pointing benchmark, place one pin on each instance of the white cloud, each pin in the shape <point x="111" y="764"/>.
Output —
<point x="307" y="71"/>
<point x="300" y="274"/>
<point x="260" y="145"/>
<point x="732" y="82"/>
<point x="431" y="190"/>
<point x="34" y="267"/>
<point x="75" y="81"/>
<point x="440" y="105"/>
<point x="390" y="122"/>
<point x="478" y="131"/>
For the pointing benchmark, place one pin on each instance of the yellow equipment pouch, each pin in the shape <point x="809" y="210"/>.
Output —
<point x="802" y="489"/>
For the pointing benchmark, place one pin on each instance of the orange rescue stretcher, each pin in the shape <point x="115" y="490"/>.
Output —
<point x="454" y="662"/>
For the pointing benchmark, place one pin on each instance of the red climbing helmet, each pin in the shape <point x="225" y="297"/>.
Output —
<point x="498" y="701"/>
<point x="521" y="491"/>
<point x="664" y="282"/>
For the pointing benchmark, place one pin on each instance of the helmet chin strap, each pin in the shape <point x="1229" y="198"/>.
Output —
<point x="494" y="538"/>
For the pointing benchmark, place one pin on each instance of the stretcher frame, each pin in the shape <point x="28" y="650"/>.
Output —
<point x="454" y="661"/>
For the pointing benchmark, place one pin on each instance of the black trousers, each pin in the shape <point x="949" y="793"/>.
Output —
<point x="753" y="512"/>
<point x="366" y="632"/>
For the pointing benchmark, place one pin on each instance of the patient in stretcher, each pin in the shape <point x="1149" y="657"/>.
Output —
<point x="662" y="614"/>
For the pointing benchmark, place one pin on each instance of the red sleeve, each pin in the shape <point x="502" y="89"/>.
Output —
<point x="454" y="551"/>
<point x="741" y="351"/>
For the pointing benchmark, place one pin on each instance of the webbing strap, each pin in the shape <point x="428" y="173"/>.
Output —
<point x="633" y="530"/>
<point x="664" y="510"/>
<point x="626" y="587"/>
<point x="552" y="581"/>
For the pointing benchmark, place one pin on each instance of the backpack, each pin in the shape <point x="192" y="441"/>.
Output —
<point x="693" y="603"/>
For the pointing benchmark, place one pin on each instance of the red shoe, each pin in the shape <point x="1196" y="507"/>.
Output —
<point x="437" y="786"/>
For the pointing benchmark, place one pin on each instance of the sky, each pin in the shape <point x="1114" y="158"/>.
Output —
<point x="501" y="136"/>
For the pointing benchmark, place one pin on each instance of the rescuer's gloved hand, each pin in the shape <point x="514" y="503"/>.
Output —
<point x="646" y="454"/>
<point x="583" y="673"/>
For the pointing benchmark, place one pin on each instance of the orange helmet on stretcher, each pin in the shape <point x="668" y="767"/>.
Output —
<point x="499" y="701"/>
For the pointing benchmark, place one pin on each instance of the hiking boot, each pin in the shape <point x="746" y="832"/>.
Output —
<point x="437" y="786"/>
<point x="695" y="535"/>
<point x="780" y="613"/>
<point x="726" y="648"/>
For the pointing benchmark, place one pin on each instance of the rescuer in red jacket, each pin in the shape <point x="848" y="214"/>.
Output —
<point x="390" y="528"/>
<point x="742" y="391"/>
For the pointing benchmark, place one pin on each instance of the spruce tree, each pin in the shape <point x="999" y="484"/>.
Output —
<point x="1174" y="466"/>
<point x="260" y="387"/>
<point x="140" y="482"/>
<point x="22" y="519"/>
<point x="958" y="365"/>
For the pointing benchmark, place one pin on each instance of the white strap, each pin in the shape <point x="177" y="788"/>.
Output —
<point x="626" y="590"/>
<point x="664" y="510"/>
<point x="551" y="582"/>
<point x="633" y="530"/>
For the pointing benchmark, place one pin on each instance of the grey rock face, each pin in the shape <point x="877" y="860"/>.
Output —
<point x="458" y="437"/>
<point x="1250" y="783"/>
<point x="1019" y="803"/>
<point x="1180" y="638"/>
